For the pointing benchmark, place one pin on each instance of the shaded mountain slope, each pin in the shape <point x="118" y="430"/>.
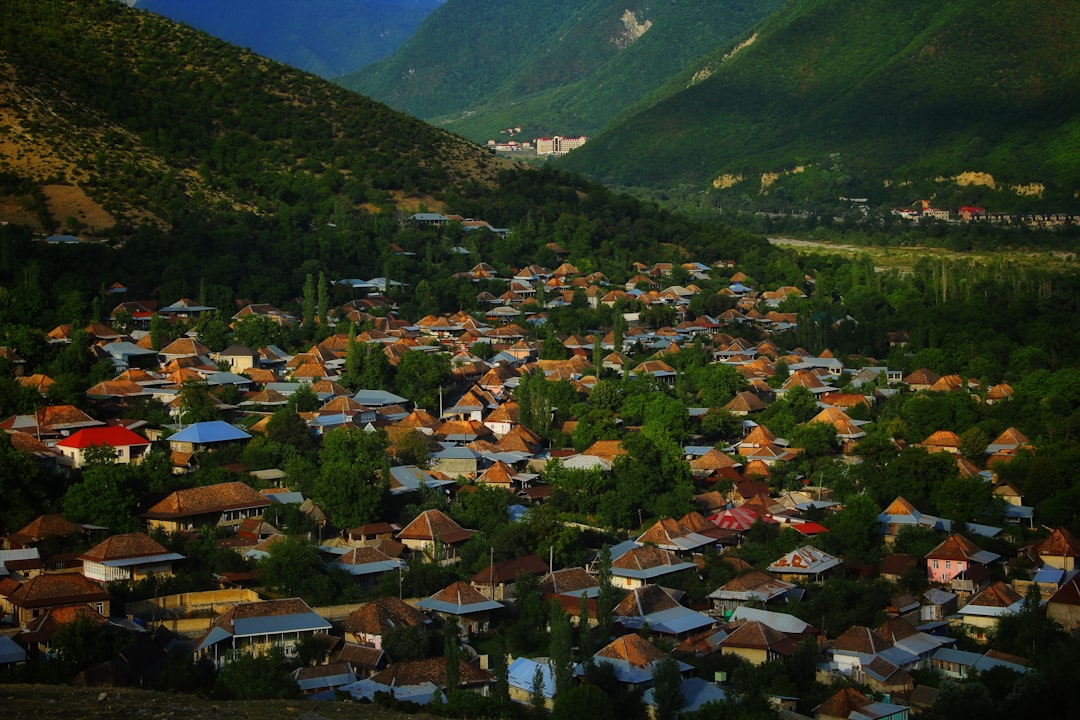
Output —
<point x="866" y="98"/>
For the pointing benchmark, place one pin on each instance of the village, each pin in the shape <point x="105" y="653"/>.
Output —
<point x="495" y="508"/>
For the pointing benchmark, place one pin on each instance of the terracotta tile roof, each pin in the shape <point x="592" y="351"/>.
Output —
<point x="207" y="499"/>
<point x="57" y="589"/>
<point x="922" y="376"/>
<point x="460" y="593"/>
<point x="128" y="545"/>
<point x="498" y="474"/>
<point x="842" y="704"/>
<point x="895" y="629"/>
<point x="645" y="600"/>
<point x="42" y="628"/>
<point x="434" y="524"/>
<point x="506" y="571"/>
<point x="940" y="440"/>
<point x="755" y="635"/>
<point x="48" y="526"/>
<point x="900" y="506"/>
<point x="643" y="558"/>
<point x="954" y="547"/>
<point x="861" y="639"/>
<point x="997" y="595"/>
<point x="1060" y="543"/>
<point x="567" y="580"/>
<point x="269" y="608"/>
<point x="433" y="670"/>
<point x="606" y="449"/>
<point x="382" y="614"/>
<point x="634" y="650"/>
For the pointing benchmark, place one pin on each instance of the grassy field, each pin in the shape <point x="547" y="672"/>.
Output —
<point x="23" y="702"/>
<point x="904" y="258"/>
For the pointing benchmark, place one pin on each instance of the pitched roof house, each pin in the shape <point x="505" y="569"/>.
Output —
<point x="466" y="603"/>
<point x="128" y="558"/>
<point x="433" y="528"/>
<point x="54" y="591"/>
<point x="255" y="627"/>
<point x="225" y="504"/>
<point x="128" y="446"/>
<point x="369" y="622"/>
<point x="955" y="554"/>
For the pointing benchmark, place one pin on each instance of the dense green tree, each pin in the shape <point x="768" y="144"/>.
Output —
<point x="560" y="648"/>
<point x="421" y="377"/>
<point x="351" y="482"/>
<point x="256" y="677"/>
<point x="106" y="493"/>
<point x="667" y="689"/>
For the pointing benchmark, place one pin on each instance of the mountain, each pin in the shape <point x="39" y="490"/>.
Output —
<point x="115" y="118"/>
<point x="969" y="102"/>
<point x="325" y="37"/>
<point x="555" y="67"/>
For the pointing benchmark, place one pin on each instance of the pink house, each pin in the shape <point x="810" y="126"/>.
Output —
<point x="954" y="556"/>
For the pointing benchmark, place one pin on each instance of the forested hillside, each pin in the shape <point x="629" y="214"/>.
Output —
<point x="478" y="66"/>
<point x="325" y="38"/>
<point x="213" y="128"/>
<point x="967" y="102"/>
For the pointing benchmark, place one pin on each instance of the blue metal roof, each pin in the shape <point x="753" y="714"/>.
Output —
<point x="521" y="672"/>
<point x="210" y="431"/>
<point x="277" y="624"/>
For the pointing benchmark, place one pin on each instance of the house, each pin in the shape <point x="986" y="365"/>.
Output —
<point x="322" y="680"/>
<point x="129" y="447"/>
<point x="407" y="675"/>
<point x="368" y="623"/>
<point x="960" y="664"/>
<point x="496" y="581"/>
<point x="465" y="603"/>
<point x="643" y="565"/>
<point x="434" y="535"/>
<point x="45" y="593"/>
<point x="652" y="607"/>
<point x="670" y="534"/>
<point x="128" y="558"/>
<point x="981" y="613"/>
<point x="521" y="674"/>
<point x="366" y="564"/>
<point x="955" y="555"/>
<point x="753" y="589"/>
<point x="255" y="627"/>
<point x="695" y="694"/>
<point x="1060" y="550"/>
<point x="1063" y="607"/>
<point x="573" y="582"/>
<point x="805" y="563"/>
<point x="850" y="704"/>
<point x="206" y="436"/>
<point x="757" y="643"/>
<point x="634" y="660"/>
<point x="224" y="505"/>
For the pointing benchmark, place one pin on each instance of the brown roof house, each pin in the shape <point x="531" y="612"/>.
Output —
<point x="1063" y="607"/>
<point x="225" y="504"/>
<point x="434" y="535"/>
<point x="496" y="581"/>
<point x="981" y="613"/>
<point x="850" y="704"/>
<point x="369" y="622"/>
<point x="1060" y="550"/>
<point x="955" y="555"/>
<point x="751" y="589"/>
<point x="45" y="593"/>
<point x="464" y="602"/>
<point x="633" y="658"/>
<point x="128" y="558"/>
<point x="255" y="627"/>
<point x="644" y="565"/>
<point x="757" y="643"/>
